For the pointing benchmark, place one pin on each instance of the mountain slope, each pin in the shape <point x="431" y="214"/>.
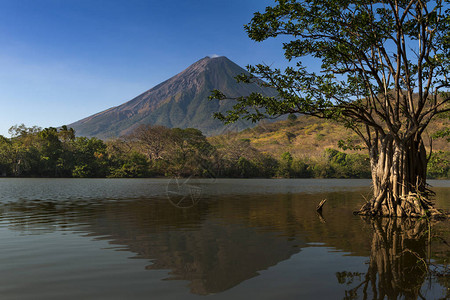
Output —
<point x="181" y="101"/>
<point x="308" y="137"/>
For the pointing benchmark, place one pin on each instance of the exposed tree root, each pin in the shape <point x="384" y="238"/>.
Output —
<point x="414" y="205"/>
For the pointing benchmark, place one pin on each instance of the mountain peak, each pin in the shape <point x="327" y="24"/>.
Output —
<point x="207" y="60"/>
<point x="214" y="70"/>
<point x="181" y="101"/>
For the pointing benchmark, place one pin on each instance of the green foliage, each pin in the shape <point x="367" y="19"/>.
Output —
<point x="335" y="156"/>
<point x="245" y="168"/>
<point x="444" y="133"/>
<point x="335" y="164"/>
<point x="82" y="171"/>
<point x="290" y="136"/>
<point x="439" y="165"/>
<point x="320" y="137"/>
<point x="348" y="165"/>
<point x="6" y="156"/>
<point x="285" y="165"/>
<point x="135" y="165"/>
<point x="266" y="166"/>
<point x="292" y="117"/>
<point x="90" y="157"/>
<point x="301" y="169"/>
<point x="50" y="148"/>
<point x="286" y="156"/>
<point x="186" y="152"/>
<point x="349" y="144"/>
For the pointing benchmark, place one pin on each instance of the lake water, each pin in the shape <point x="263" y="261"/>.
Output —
<point x="223" y="239"/>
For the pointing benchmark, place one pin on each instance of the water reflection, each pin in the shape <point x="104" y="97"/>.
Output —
<point x="399" y="261"/>
<point x="227" y="240"/>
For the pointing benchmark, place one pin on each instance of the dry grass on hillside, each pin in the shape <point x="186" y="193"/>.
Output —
<point x="309" y="136"/>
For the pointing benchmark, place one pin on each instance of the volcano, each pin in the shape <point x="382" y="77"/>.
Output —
<point x="181" y="101"/>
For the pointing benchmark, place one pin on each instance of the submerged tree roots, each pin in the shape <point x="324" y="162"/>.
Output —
<point x="414" y="205"/>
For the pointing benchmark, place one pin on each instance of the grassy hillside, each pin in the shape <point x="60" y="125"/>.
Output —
<point x="309" y="136"/>
<point x="304" y="137"/>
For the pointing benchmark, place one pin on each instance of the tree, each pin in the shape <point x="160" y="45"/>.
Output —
<point x="292" y="118"/>
<point x="285" y="167"/>
<point x="89" y="157"/>
<point x="153" y="139"/>
<point x="189" y="153"/>
<point x="6" y="156"/>
<point x="66" y="134"/>
<point x="50" y="148"/>
<point x="384" y="74"/>
<point x="232" y="155"/>
<point x="133" y="165"/>
<point x="25" y="156"/>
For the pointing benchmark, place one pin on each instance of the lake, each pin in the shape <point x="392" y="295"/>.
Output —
<point x="219" y="238"/>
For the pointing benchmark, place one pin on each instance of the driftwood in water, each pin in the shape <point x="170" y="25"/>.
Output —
<point x="319" y="207"/>
<point x="320" y="216"/>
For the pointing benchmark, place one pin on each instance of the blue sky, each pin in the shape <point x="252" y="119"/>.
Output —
<point x="63" y="60"/>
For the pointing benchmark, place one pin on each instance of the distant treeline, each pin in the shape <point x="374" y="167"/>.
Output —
<point x="157" y="151"/>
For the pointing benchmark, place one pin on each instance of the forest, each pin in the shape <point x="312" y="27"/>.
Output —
<point x="157" y="151"/>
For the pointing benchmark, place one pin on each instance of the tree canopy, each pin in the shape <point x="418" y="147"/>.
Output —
<point x="384" y="73"/>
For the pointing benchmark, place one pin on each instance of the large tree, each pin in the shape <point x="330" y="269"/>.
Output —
<point x="152" y="139"/>
<point x="380" y="67"/>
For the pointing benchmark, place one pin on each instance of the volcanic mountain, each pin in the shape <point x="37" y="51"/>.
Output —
<point x="181" y="101"/>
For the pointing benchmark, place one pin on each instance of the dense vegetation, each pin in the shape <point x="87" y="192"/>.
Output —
<point x="156" y="151"/>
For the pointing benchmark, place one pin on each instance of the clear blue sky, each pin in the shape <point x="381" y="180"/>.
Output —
<point x="63" y="60"/>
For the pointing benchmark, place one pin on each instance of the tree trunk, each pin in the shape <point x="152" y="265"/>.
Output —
<point x="399" y="179"/>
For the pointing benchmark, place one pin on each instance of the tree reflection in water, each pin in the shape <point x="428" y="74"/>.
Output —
<point x="399" y="262"/>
